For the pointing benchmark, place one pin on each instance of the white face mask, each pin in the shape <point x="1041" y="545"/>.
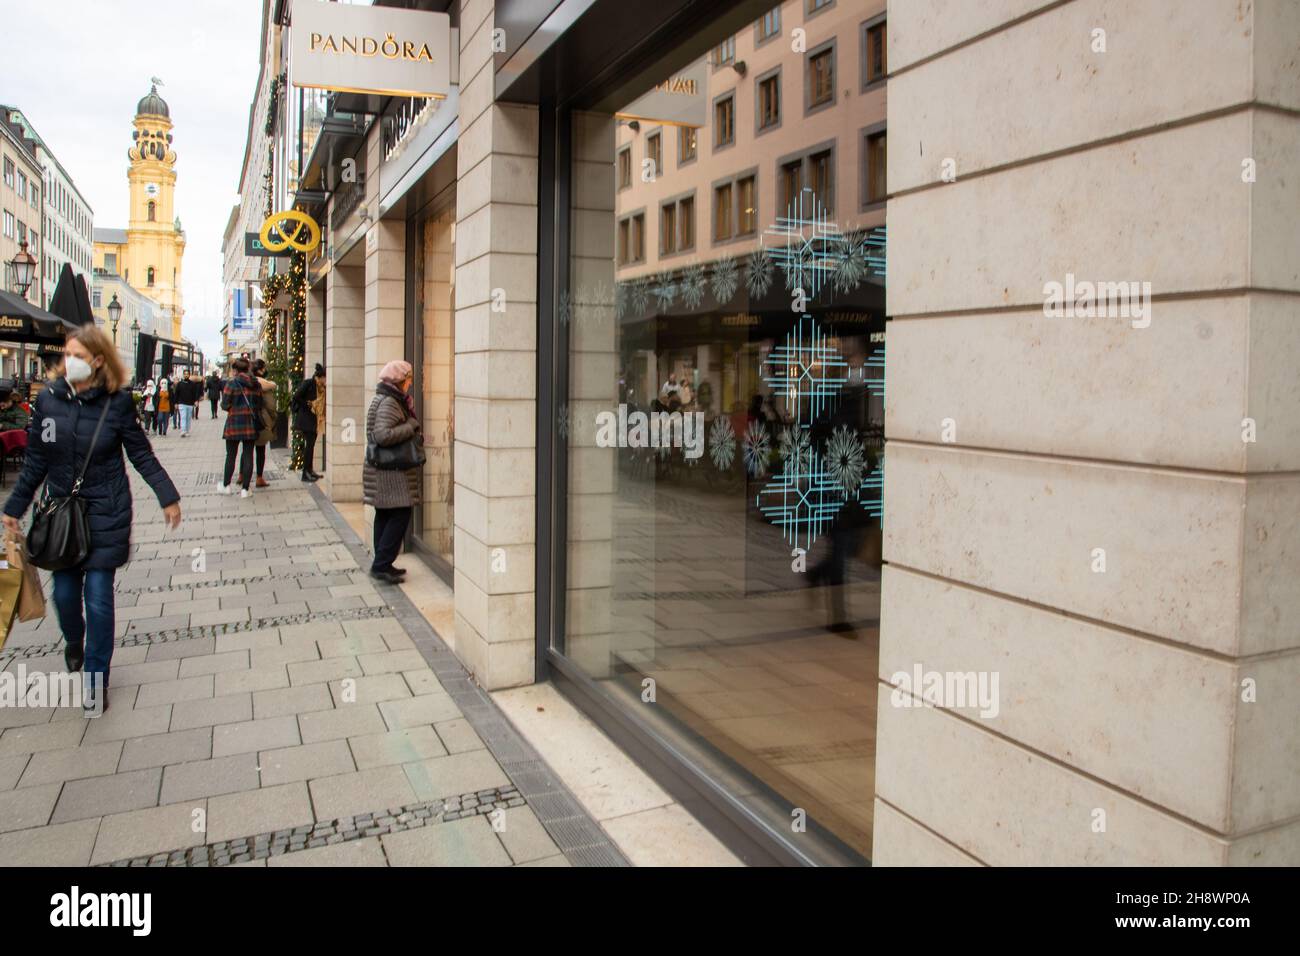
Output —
<point x="77" y="369"/>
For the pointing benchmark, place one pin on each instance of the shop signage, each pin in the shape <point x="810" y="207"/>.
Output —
<point x="368" y="49"/>
<point x="303" y="238"/>
<point x="253" y="247"/>
<point x="677" y="100"/>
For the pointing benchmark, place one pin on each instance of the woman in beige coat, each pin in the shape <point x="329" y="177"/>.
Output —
<point x="266" y="433"/>
<point x="391" y="421"/>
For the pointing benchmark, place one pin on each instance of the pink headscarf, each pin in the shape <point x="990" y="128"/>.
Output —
<point x="395" y="372"/>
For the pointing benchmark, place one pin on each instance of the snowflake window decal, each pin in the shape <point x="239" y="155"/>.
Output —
<point x="806" y="370"/>
<point x="756" y="446"/>
<point x="808" y="247"/>
<point x="722" y="443"/>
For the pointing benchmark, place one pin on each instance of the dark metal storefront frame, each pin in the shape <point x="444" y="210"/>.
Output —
<point x="680" y="30"/>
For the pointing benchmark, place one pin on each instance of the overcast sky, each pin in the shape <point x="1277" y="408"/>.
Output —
<point x="77" y="68"/>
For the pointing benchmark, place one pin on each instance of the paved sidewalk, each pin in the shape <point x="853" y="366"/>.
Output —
<point x="271" y="705"/>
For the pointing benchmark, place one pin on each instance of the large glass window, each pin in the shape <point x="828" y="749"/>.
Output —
<point x="720" y="426"/>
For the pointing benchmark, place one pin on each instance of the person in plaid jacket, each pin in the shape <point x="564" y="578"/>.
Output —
<point x="242" y="401"/>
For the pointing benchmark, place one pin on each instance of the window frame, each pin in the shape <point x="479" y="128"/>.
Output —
<point x="716" y="61"/>
<point x="656" y="134"/>
<point x="825" y="47"/>
<point x="804" y="158"/>
<point x="675" y="203"/>
<point x="732" y="182"/>
<point x="809" y="11"/>
<point x="759" y="39"/>
<point x="629" y="217"/>
<point x="681" y="138"/>
<point x="865" y="135"/>
<point x="759" y="128"/>
<point x="717" y="101"/>
<point x="624" y="153"/>
<point x="880" y="20"/>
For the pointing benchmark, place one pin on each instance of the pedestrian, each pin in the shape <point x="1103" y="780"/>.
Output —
<point x="215" y="385"/>
<point x="242" y="401"/>
<point x="88" y="399"/>
<point x="267" y="419"/>
<point x="13" y="417"/>
<point x="391" y="421"/>
<point x="151" y="405"/>
<point x="187" y="399"/>
<point x="309" y="417"/>
<point x="164" y="413"/>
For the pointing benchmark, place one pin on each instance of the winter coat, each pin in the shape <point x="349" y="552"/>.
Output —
<point x="13" y="418"/>
<point x="71" y="419"/>
<point x="241" y="401"/>
<point x="389" y="423"/>
<point x="215" y="387"/>
<point x="164" y="399"/>
<point x="304" y="419"/>
<point x="266" y="435"/>
<point x="150" y="397"/>
<point x="188" y="392"/>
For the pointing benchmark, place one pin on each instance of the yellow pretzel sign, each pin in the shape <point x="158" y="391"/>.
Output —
<point x="276" y="221"/>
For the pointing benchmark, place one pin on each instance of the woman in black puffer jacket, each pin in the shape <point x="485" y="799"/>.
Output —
<point x="59" y="437"/>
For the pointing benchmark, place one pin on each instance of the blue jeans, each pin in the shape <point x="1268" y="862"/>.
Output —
<point x="94" y="586"/>
<point x="163" y="419"/>
<point x="185" y="418"/>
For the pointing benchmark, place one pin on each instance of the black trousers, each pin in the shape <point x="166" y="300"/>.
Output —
<point x="390" y="529"/>
<point x="245" y="461"/>
<point x="260" y="457"/>
<point x="308" y="450"/>
<point x="213" y="403"/>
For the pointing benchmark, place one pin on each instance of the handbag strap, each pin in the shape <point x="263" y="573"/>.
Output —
<point x="94" y="440"/>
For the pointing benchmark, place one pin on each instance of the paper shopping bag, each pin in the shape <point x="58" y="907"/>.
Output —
<point x="31" y="600"/>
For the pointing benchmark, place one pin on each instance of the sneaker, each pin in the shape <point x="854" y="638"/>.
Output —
<point x="91" y="700"/>
<point x="245" y="493"/>
<point x="223" y="489"/>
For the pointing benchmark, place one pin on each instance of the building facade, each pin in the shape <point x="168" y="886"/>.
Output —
<point x="139" y="314"/>
<point x="654" y="273"/>
<point x="149" y="253"/>
<point x="20" y="202"/>
<point x="67" y="219"/>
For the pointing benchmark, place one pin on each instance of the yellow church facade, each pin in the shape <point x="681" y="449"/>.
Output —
<point x="148" y="254"/>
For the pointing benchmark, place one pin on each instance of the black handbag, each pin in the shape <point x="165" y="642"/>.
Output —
<point x="60" y="533"/>
<point x="400" y="457"/>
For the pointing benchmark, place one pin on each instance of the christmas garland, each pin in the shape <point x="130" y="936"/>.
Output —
<point x="284" y="364"/>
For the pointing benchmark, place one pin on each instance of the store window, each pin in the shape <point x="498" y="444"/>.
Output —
<point x="720" y="452"/>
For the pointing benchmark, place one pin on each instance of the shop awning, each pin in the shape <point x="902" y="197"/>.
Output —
<point x="21" y="321"/>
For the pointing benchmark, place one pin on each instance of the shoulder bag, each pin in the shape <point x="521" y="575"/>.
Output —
<point x="400" y="457"/>
<point x="60" y="534"/>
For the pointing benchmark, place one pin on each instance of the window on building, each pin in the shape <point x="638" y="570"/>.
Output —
<point x="668" y="229"/>
<point x="724" y="53"/>
<point x="625" y="168"/>
<point x="149" y="274"/>
<point x="770" y="25"/>
<point x="686" y="223"/>
<point x="874" y="66"/>
<point x="153" y="211"/>
<point x="876" y="188"/>
<point x="821" y="77"/>
<point x="9" y="172"/>
<point x="746" y="206"/>
<point x="96" y="298"/>
<point x="816" y="6"/>
<point x="624" y="241"/>
<point x="22" y="233"/>
<point x="723" y="227"/>
<point x="724" y="122"/>
<point x="654" y="150"/>
<point x="791" y="182"/>
<point x="22" y="184"/>
<point x="10" y="224"/>
<point x="638" y="237"/>
<point x="769" y="101"/>
<point x="821" y="177"/>
<point x="687" y="144"/>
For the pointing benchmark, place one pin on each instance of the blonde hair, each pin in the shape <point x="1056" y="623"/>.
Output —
<point x="112" y="374"/>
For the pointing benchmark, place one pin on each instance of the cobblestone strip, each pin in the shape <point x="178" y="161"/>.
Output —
<point x="568" y="823"/>
<point x="260" y="846"/>
<point x="226" y="582"/>
<point x="204" y="630"/>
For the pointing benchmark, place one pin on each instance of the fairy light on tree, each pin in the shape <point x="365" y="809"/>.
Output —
<point x="285" y="362"/>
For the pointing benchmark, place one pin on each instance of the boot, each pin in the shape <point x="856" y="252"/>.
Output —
<point x="74" y="655"/>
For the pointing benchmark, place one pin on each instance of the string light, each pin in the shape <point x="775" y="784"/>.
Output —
<point x="285" y="365"/>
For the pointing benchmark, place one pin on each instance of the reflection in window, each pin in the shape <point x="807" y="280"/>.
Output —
<point x="791" y="185"/>
<point x="722" y="213"/>
<point x="747" y="204"/>
<point x="820" y="175"/>
<point x="687" y="144"/>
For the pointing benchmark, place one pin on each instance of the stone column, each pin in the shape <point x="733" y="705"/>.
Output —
<point x="344" y="394"/>
<point x="1069" y="501"/>
<point x="385" y="329"/>
<point x="495" y="370"/>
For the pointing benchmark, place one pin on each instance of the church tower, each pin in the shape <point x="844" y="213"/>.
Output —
<point x="155" y="241"/>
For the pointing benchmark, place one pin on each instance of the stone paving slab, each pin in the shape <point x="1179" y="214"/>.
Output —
<point x="273" y="707"/>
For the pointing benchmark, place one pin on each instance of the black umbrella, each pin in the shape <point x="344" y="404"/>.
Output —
<point x="70" y="300"/>
<point x="20" y="321"/>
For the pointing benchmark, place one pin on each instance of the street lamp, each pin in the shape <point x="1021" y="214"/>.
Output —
<point x="135" y="347"/>
<point x="115" y="316"/>
<point x="24" y="269"/>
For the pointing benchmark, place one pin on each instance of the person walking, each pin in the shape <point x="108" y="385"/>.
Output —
<point x="187" y="399"/>
<point x="390" y="421"/>
<point x="241" y="401"/>
<point x="308" y="407"/>
<point x="164" y="414"/>
<point x="150" y="406"/>
<point x="214" y="387"/>
<point x="92" y="420"/>
<point x="267" y="418"/>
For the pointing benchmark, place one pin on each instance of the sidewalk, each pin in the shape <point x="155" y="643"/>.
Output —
<point x="271" y="705"/>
